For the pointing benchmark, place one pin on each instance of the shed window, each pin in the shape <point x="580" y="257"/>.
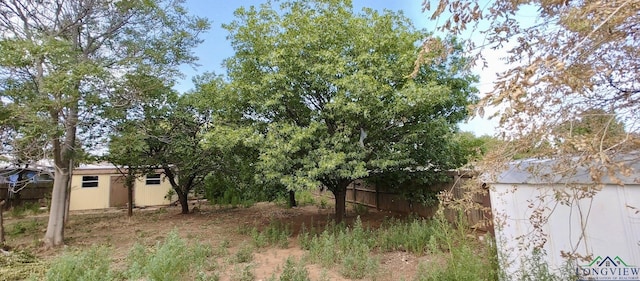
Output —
<point x="153" y="179"/>
<point x="89" y="181"/>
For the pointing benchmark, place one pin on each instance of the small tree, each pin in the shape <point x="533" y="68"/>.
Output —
<point x="177" y="148"/>
<point x="143" y="98"/>
<point x="126" y="153"/>
<point x="168" y="135"/>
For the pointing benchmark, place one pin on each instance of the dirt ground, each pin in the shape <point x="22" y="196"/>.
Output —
<point x="211" y="225"/>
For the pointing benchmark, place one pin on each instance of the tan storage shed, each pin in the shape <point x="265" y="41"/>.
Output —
<point x="99" y="186"/>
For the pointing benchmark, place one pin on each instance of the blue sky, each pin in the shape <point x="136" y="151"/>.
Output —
<point x="216" y="47"/>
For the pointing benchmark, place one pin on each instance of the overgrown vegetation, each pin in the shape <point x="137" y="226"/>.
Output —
<point x="354" y="248"/>
<point x="244" y="254"/>
<point x="350" y="248"/>
<point x="19" y="265"/>
<point x="91" y="264"/>
<point x="294" y="271"/>
<point x="172" y="259"/>
<point x="275" y="234"/>
<point x="24" y="227"/>
<point x="354" y="251"/>
<point x="27" y="208"/>
<point x="243" y="273"/>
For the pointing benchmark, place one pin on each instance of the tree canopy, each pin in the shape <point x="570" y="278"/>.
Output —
<point x="331" y="87"/>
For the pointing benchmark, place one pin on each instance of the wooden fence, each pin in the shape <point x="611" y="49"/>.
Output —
<point x="360" y="192"/>
<point x="33" y="193"/>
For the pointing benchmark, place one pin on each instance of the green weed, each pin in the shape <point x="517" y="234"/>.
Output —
<point x="304" y="198"/>
<point x="466" y="258"/>
<point x="27" y="208"/>
<point x="276" y="233"/>
<point x="294" y="271"/>
<point x="535" y="268"/>
<point x="244" y="254"/>
<point x="92" y="264"/>
<point x="222" y="249"/>
<point x="206" y="277"/>
<point x="415" y="236"/>
<point x="323" y="203"/>
<point x="243" y="273"/>
<point x="305" y="235"/>
<point x="348" y="247"/>
<point x="245" y="229"/>
<point x="358" y="262"/>
<point x="170" y="260"/>
<point x="24" y="227"/>
<point x="360" y="209"/>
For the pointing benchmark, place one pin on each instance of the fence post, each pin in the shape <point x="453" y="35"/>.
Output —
<point x="377" y="198"/>
<point x="355" y="196"/>
<point x="1" y="225"/>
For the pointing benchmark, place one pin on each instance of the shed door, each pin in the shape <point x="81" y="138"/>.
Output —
<point x="118" y="193"/>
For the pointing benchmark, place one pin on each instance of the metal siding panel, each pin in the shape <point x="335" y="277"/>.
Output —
<point x="611" y="228"/>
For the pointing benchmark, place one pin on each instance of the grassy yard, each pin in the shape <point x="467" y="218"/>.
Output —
<point x="263" y="242"/>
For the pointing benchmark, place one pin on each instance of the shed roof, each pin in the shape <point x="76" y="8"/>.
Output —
<point x="574" y="170"/>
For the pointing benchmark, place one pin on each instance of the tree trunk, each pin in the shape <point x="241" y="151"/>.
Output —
<point x="1" y="224"/>
<point x="292" y="199"/>
<point x="182" y="195"/>
<point x="67" y="202"/>
<point x="63" y="152"/>
<point x="129" y="182"/>
<point x="130" y="200"/>
<point x="182" y="198"/>
<point x="55" y="228"/>
<point x="340" y="195"/>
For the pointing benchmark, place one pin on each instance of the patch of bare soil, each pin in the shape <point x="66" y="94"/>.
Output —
<point x="213" y="225"/>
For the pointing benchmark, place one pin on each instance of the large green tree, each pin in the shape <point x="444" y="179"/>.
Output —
<point x="331" y="86"/>
<point x="61" y="61"/>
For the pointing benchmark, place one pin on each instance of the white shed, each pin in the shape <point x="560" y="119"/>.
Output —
<point x="567" y="216"/>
